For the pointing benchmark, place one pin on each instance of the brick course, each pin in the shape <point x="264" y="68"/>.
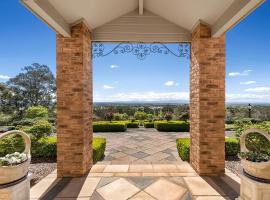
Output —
<point x="207" y="102"/>
<point x="74" y="102"/>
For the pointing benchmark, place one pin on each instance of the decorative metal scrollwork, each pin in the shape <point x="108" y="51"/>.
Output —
<point x="141" y="50"/>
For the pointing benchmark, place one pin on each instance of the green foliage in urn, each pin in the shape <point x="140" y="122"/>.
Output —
<point x="254" y="156"/>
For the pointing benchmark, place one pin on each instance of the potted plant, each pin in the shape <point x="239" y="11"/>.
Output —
<point x="15" y="166"/>
<point x="255" y="162"/>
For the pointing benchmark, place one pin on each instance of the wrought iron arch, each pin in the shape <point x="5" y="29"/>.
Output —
<point x="140" y="50"/>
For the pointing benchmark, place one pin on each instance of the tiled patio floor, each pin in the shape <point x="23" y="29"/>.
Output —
<point x="141" y="146"/>
<point x="139" y="165"/>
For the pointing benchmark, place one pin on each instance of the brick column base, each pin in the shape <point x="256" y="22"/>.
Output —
<point x="207" y="102"/>
<point x="74" y="102"/>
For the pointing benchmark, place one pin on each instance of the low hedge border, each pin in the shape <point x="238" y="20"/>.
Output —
<point x="109" y="127"/>
<point x="132" y="124"/>
<point x="149" y="125"/>
<point x="172" y="126"/>
<point x="232" y="147"/>
<point x="46" y="147"/>
<point x="99" y="146"/>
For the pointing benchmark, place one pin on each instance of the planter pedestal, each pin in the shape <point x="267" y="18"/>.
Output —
<point x="19" y="190"/>
<point x="253" y="190"/>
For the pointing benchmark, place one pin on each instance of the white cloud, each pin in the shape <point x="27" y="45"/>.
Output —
<point x="247" y="83"/>
<point x="170" y="83"/>
<point x="175" y="96"/>
<point x="4" y="77"/>
<point x="144" y="96"/>
<point x="114" y="66"/>
<point x="244" y="73"/>
<point x="108" y="87"/>
<point x="258" y="89"/>
<point x="248" y="98"/>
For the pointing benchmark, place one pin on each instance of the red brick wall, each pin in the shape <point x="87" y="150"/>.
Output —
<point x="207" y="102"/>
<point x="74" y="102"/>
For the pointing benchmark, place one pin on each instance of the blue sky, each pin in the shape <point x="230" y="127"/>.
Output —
<point x="25" y="40"/>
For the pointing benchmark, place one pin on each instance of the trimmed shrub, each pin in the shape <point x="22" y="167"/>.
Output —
<point x="109" y="127"/>
<point x="36" y="112"/>
<point x="149" y="125"/>
<point x="24" y="122"/>
<point x="139" y="115"/>
<point x="183" y="148"/>
<point x="172" y="126"/>
<point x="5" y="119"/>
<point x="40" y="129"/>
<point x="6" y="128"/>
<point x="99" y="146"/>
<point x="44" y="147"/>
<point x="132" y="124"/>
<point x="232" y="147"/>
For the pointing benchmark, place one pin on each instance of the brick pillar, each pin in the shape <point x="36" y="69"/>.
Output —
<point x="207" y="102"/>
<point x="74" y="102"/>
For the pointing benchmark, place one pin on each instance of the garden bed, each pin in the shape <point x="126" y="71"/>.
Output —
<point x="232" y="147"/>
<point x="172" y="126"/>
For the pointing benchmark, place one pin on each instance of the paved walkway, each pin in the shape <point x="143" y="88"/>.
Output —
<point x="141" y="146"/>
<point x="140" y="164"/>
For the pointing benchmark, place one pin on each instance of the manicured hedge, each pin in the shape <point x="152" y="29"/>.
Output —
<point x="149" y="125"/>
<point x="99" y="146"/>
<point x="46" y="147"/>
<point x="183" y="148"/>
<point x="132" y="124"/>
<point x="109" y="127"/>
<point x="172" y="126"/>
<point x="232" y="147"/>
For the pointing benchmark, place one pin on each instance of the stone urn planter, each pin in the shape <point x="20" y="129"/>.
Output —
<point x="256" y="169"/>
<point x="11" y="173"/>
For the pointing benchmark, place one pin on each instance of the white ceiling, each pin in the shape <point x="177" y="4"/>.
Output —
<point x="184" y="13"/>
<point x="220" y="15"/>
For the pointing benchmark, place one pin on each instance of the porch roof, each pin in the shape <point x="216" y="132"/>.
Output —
<point x="142" y="20"/>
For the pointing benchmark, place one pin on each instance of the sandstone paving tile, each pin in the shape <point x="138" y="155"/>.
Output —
<point x="142" y="196"/>
<point x="165" y="168"/>
<point x="118" y="155"/>
<point x="100" y="174"/>
<point x="120" y="189"/>
<point x="141" y="168"/>
<point x="142" y="182"/>
<point x="98" y="168"/>
<point x="185" y="167"/>
<point x="166" y="190"/>
<point x="106" y="180"/>
<point x="38" y="190"/>
<point x="199" y="186"/>
<point x="140" y="154"/>
<point x="129" y="174"/>
<point x="176" y="180"/>
<point x="210" y="198"/>
<point x="80" y="187"/>
<point x="130" y="151"/>
<point x="155" y="174"/>
<point x="96" y="196"/>
<point x="116" y="168"/>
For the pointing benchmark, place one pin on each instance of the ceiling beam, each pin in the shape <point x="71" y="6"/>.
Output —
<point x="140" y="7"/>
<point x="45" y="11"/>
<point x="233" y="15"/>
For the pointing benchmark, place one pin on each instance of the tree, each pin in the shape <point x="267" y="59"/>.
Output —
<point x="35" y="85"/>
<point x="139" y="115"/>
